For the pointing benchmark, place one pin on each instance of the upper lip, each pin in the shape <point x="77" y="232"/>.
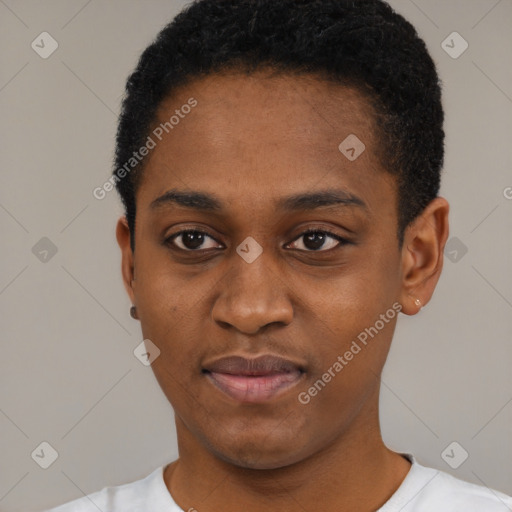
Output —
<point x="261" y="365"/>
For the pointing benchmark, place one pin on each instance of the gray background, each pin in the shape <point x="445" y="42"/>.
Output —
<point x="68" y="375"/>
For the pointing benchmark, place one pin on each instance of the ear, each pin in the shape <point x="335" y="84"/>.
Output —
<point x="422" y="255"/>
<point x="127" y="256"/>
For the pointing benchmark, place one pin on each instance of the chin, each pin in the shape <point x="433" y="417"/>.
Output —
<point x="257" y="459"/>
<point x="261" y="451"/>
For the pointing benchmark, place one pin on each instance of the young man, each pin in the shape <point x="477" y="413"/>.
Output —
<point x="279" y="162"/>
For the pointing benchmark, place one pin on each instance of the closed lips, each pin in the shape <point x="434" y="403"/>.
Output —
<point x="253" y="380"/>
<point x="262" y="365"/>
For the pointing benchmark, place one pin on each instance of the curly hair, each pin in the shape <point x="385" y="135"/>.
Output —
<point x="363" y="43"/>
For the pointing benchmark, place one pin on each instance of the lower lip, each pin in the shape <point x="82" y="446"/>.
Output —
<point x="254" y="389"/>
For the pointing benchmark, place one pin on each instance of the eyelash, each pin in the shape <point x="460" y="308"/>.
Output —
<point x="169" y="241"/>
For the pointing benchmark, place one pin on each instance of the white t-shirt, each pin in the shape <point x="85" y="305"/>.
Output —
<point x="423" y="490"/>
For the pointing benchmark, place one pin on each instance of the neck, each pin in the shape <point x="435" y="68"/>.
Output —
<point x="356" y="472"/>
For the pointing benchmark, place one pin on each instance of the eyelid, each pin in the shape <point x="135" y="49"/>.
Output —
<point x="169" y="240"/>
<point x="340" y="239"/>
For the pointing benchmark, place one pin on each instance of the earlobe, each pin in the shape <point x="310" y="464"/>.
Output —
<point x="127" y="257"/>
<point x="422" y="255"/>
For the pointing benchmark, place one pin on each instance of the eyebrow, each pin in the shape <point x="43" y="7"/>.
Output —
<point x="306" y="201"/>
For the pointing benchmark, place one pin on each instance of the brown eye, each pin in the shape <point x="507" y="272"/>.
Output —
<point x="318" y="241"/>
<point x="191" y="240"/>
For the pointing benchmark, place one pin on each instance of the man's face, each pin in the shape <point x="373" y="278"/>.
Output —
<point x="250" y="143"/>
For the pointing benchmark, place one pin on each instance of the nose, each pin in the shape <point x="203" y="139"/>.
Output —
<point x="253" y="295"/>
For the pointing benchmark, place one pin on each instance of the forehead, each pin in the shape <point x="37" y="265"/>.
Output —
<point x="276" y="135"/>
<point x="278" y="107"/>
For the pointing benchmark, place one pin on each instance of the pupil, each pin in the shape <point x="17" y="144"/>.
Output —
<point x="193" y="239"/>
<point x="314" y="240"/>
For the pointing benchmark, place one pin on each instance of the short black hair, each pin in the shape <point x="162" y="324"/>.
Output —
<point x="363" y="43"/>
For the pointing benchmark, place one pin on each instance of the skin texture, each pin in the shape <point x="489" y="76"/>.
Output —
<point x="250" y="141"/>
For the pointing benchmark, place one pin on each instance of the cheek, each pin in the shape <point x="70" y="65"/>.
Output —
<point x="353" y="301"/>
<point x="168" y="310"/>
<point x="165" y="299"/>
<point x="173" y="330"/>
<point x="354" y="320"/>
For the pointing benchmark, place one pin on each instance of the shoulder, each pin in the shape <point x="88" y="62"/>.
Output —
<point x="440" y="491"/>
<point x="462" y="495"/>
<point x="124" y="497"/>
